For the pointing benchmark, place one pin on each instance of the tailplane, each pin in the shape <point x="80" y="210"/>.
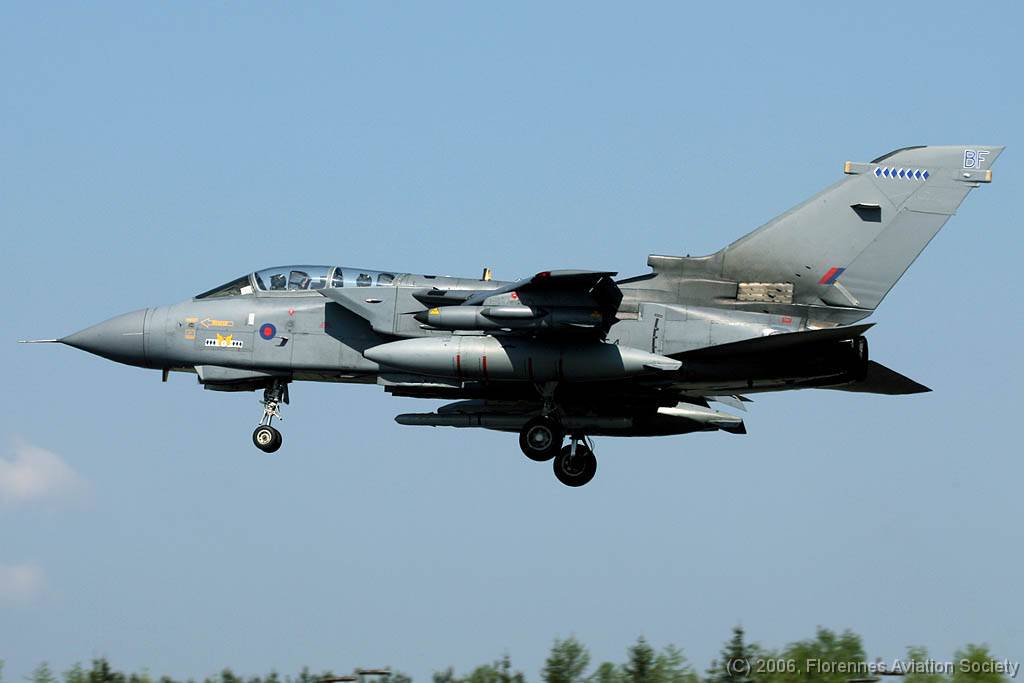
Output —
<point x="881" y="380"/>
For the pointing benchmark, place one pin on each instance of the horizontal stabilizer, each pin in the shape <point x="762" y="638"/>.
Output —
<point x="777" y="342"/>
<point x="882" y="380"/>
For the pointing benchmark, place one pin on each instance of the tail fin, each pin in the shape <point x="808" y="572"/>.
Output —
<point x="848" y="245"/>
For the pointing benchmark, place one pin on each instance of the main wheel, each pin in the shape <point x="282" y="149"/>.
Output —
<point x="267" y="439"/>
<point x="540" y="439"/>
<point x="575" y="470"/>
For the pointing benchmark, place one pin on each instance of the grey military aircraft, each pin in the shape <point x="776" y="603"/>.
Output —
<point x="572" y="354"/>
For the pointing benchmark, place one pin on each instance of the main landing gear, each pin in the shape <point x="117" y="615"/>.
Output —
<point x="541" y="440"/>
<point x="575" y="464"/>
<point x="266" y="438"/>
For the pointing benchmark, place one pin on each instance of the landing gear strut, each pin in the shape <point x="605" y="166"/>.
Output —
<point x="266" y="438"/>
<point x="576" y="464"/>
<point x="541" y="440"/>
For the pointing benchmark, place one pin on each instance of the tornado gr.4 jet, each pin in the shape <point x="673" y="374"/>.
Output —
<point x="572" y="354"/>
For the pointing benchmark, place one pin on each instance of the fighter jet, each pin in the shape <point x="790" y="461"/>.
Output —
<point x="566" y="355"/>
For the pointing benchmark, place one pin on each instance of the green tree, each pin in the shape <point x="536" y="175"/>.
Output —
<point x="505" y="672"/>
<point x="919" y="674"/>
<point x="640" y="663"/>
<point x="42" y="674"/>
<point x="736" y="663"/>
<point x="824" y="658"/>
<point x="670" y="666"/>
<point x="226" y="676"/>
<point x="396" y="677"/>
<point x="76" y="674"/>
<point x="446" y="676"/>
<point x="498" y="672"/>
<point x="102" y="672"/>
<point x="974" y="664"/>
<point x="606" y="672"/>
<point x="567" y="662"/>
<point x="485" y="673"/>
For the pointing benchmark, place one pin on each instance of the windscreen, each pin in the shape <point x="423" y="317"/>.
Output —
<point x="236" y="287"/>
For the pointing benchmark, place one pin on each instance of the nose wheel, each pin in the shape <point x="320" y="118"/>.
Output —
<point x="265" y="436"/>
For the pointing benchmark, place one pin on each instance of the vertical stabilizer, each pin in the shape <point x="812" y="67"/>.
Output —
<point x="848" y="245"/>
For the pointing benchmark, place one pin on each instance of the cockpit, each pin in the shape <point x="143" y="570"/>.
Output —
<point x="301" y="278"/>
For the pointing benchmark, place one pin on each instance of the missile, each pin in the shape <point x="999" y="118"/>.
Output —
<point x="483" y="357"/>
<point x="707" y="416"/>
<point x="680" y="419"/>
<point x="519" y="317"/>
<point x="510" y="422"/>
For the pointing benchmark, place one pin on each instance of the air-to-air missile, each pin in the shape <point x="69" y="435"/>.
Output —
<point x="667" y="418"/>
<point x="518" y="318"/>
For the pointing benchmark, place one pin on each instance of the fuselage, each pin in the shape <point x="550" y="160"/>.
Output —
<point x="287" y="322"/>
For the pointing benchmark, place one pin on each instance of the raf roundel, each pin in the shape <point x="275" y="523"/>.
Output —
<point x="268" y="331"/>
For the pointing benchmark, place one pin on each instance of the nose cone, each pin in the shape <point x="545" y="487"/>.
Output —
<point x="121" y="339"/>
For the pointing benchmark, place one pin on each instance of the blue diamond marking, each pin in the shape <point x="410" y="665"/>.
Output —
<point x="925" y="175"/>
<point x="878" y="172"/>
<point x="885" y="172"/>
<point x="917" y="173"/>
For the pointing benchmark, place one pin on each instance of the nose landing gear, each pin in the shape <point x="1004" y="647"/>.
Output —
<point x="265" y="437"/>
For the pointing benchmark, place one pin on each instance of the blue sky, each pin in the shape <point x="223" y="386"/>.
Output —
<point x="151" y="151"/>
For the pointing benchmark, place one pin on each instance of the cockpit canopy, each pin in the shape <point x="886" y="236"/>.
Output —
<point x="301" y="278"/>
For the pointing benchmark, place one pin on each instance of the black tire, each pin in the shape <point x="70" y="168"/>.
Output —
<point x="575" y="470"/>
<point x="267" y="439"/>
<point x="541" y="438"/>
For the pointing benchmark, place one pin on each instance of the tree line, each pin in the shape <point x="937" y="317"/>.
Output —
<point x="828" y="657"/>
